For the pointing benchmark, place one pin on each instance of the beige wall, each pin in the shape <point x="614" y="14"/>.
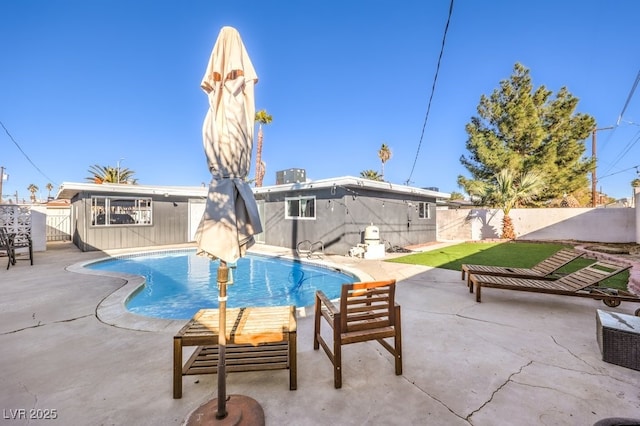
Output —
<point x="614" y="225"/>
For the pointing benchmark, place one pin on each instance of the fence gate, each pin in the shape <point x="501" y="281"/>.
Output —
<point x="59" y="227"/>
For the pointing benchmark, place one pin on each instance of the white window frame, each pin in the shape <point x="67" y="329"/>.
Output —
<point x="301" y="200"/>
<point x="131" y="211"/>
<point x="423" y="207"/>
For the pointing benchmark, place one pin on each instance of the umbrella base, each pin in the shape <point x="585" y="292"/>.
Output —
<point x="241" y="410"/>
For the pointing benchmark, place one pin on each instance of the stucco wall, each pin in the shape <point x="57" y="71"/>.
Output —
<point x="615" y="225"/>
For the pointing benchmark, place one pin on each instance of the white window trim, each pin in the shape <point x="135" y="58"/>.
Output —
<point x="426" y="207"/>
<point x="299" y="198"/>
<point x="136" y="212"/>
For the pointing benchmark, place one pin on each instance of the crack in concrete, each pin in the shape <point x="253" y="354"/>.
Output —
<point x="572" y="354"/>
<point x="35" y="399"/>
<point x="41" y="324"/>
<point x="381" y="353"/>
<point x="436" y="399"/>
<point x="509" y="379"/>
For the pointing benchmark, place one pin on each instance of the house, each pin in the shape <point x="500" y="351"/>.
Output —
<point x="111" y="216"/>
<point x="338" y="211"/>
<point x="334" y="211"/>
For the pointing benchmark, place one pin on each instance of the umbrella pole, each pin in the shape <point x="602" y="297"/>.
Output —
<point x="241" y="410"/>
<point x="223" y="278"/>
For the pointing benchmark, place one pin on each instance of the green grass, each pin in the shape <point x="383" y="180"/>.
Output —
<point x="514" y="254"/>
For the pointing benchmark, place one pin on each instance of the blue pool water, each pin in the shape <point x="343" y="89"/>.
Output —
<point x="180" y="283"/>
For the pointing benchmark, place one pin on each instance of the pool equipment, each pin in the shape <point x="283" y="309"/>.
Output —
<point x="372" y="247"/>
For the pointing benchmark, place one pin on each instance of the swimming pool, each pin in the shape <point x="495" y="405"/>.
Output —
<point x="179" y="283"/>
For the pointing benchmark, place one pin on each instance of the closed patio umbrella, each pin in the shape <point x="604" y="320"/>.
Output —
<point x="231" y="215"/>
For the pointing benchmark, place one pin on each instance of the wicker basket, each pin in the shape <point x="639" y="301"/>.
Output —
<point x="619" y="338"/>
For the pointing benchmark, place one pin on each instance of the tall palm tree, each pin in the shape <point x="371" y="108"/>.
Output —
<point x="109" y="174"/>
<point x="33" y="188"/>
<point x="49" y="188"/>
<point x="262" y="117"/>
<point x="371" y="175"/>
<point x="384" y="154"/>
<point x="509" y="190"/>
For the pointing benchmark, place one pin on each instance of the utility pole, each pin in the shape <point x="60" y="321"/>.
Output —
<point x="119" y="170"/>
<point x="1" y="180"/>
<point x="595" y="164"/>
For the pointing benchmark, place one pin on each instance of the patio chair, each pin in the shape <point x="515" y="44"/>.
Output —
<point x="542" y="270"/>
<point x="6" y="244"/>
<point x="581" y="283"/>
<point x="19" y="241"/>
<point x="366" y="311"/>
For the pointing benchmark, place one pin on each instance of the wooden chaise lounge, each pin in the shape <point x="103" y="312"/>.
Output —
<point x="581" y="283"/>
<point x="542" y="270"/>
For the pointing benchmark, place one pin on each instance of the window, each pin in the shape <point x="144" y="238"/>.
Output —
<point x="109" y="211"/>
<point x="424" y="212"/>
<point x="300" y="208"/>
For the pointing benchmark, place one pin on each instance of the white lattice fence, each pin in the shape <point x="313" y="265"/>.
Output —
<point x="16" y="220"/>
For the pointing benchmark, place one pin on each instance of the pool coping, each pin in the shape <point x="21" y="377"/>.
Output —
<point x="111" y="310"/>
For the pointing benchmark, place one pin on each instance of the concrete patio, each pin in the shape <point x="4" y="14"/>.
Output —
<point x="515" y="358"/>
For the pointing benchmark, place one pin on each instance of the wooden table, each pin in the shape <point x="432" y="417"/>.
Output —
<point x="257" y="339"/>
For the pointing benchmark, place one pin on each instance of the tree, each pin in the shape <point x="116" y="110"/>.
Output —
<point x="456" y="196"/>
<point x="384" y="154"/>
<point x="109" y="174"/>
<point x="371" y="175"/>
<point x="524" y="130"/>
<point x="262" y="117"/>
<point x="509" y="189"/>
<point x="33" y="188"/>
<point x="49" y="188"/>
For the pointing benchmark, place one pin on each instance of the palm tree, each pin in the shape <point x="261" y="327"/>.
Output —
<point x="49" y="188"/>
<point x="509" y="190"/>
<point x="456" y="196"/>
<point x="262" y="117"/>
<point x="108" y="174"/>
<point x="371" y="175"/>
<point x="384" y="155"/>
<point x="33" y="188"/>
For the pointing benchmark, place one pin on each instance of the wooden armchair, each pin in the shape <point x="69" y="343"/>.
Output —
<point x="6" y="244"/>
<point x="11" y="242"/>
<point x="367" y="311"/>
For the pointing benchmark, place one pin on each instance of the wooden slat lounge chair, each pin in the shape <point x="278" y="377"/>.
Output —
<point x="367" y="311"/>
<point x="542" y="270"/>
<point x="581" y="283"/>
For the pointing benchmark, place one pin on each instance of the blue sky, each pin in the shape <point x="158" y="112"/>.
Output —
<point x="102" y="82"/>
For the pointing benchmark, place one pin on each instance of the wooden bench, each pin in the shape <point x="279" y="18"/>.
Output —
<point x="257" y="339"/>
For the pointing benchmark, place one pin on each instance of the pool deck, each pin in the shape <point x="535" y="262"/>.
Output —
<point x="66" y="344"/>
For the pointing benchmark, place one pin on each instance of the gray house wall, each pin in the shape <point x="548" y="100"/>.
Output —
<point x="342" y="215"/>
<point x="170" y="225"/>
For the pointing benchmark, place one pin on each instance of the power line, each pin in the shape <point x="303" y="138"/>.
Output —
<point x="24" y="153"/>
<point x="624" y="151"/>
<point x="633" y="89"/>
<point x="433" y="88"/>
<point x="621" y="171"/>
<point x="631" y="143"/>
